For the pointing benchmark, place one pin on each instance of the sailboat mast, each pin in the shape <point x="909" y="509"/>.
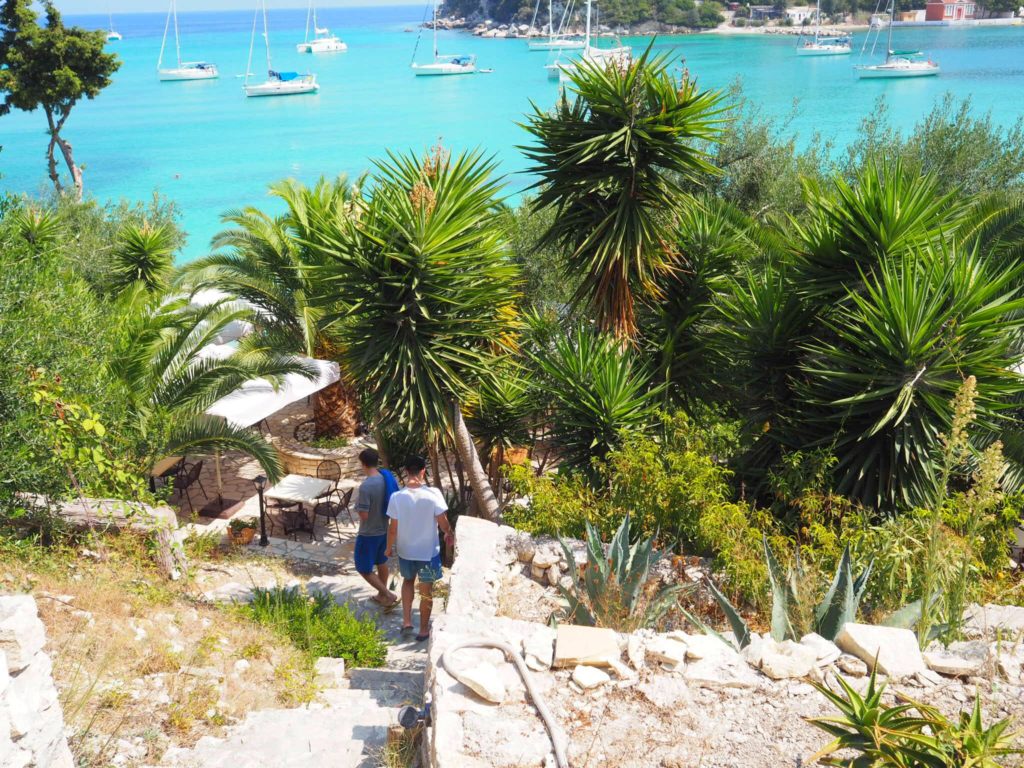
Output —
<point x="252" y="44"/>
<point x="167" y="27"/>
<point x="586" y="41"/>
<point x="817" y="21"/>
<point x="551" y="13"/>
<point x="435" y="33"/>
<point x="266" y="38"/>
<point x="892" y="17"/>
<point x="309" y="12"/>
<point x="177" y="39"/>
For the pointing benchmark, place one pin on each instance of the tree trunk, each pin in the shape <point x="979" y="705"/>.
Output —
<point x="69" y="160"/>
<point x="51" y="164"/>
<point x="486" y="501"/>
<point x="335" y="411"/>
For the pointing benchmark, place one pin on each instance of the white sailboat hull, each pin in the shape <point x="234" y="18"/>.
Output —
<point x="443" y="68"/>
<point x="817" y="49"/>
<point x="561" y="69"/>
<point x="282" y="88"/>
<point x="206" y="72"/>
<point x="556" y="45"/>
<point x="913" y="69"/>
<point x="113" y="37"/>
<point x="325" y="45"/>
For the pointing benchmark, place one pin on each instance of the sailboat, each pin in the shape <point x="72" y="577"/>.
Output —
<point x="113" y="35"/>
<point x="323" y="41"/>
<point x="824" y="45"/>
<point x="556" y="41"/>
<point x="277" y="83"/>
<point x="186" y="70"/>
<point x="617" y="54"/>
<point x="462" y="64"/>
<point x="897" y="63"/>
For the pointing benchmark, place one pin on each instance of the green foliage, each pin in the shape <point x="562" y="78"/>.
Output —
<point x="557" y="505"/>
<point x="907" y="735"/>
<point x="610" y="158"/>
<point x="598" y="389"/>
<point x="237" y="524"/>
<point x="546" y="284"/>
<point x="615" y="589"/>
<point x="966" y="153"/>
<point x="52" y="67"/>
<point x="319" y="626"/>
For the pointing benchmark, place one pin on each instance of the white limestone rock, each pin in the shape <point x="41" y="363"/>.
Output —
<point x="896" y="649"/>
<point x="484" y="680"/>
<point x="961" y="659"/>
<point x="785" y="660"/>
<point x="636" y="652"/>
<point x="554" y="574"/>
<point x="987" y="619"/>
<point x="538" y="573"/>
<point x="852" y="666"/>
<point x="539" y="649"/>
<point x="667" y="692"/>
<point x="1009" y="657"/>
<point x="712" y="663"/>
<point x="667" y="650"/>
<point x="826" y="652"/>
<point x="21" y="632"/>
<point x="545" y="557"/>
<point x="589" y="677"/>
<point x="524" y="547"/>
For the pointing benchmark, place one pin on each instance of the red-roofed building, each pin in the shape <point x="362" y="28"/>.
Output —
<point x="949" y="10"/>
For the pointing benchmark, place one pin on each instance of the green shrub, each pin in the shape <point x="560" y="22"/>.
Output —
<point x="319" y="626"/>
<point x="557" y="505"/>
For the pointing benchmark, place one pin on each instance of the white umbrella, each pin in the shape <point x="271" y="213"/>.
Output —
<point x="257" y="398"/>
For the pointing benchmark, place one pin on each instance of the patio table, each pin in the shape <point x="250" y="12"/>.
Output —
<point x="301" y="490"/>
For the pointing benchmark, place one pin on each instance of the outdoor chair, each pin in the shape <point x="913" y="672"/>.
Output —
<point x="329" y="510"/>
<point x="289" y="516"/>
<point x="329" y="470"/>
<point x="186" y="478"/>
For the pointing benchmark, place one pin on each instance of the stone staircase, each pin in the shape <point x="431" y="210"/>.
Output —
<point x="348" y="728"/>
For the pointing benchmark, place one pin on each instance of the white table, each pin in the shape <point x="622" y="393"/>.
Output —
<point x="302" y="490"/>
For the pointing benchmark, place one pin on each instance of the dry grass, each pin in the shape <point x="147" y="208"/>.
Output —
<point x="141" y="659"/>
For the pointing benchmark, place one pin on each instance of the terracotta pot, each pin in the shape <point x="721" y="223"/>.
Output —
<point x="242" y="537"/>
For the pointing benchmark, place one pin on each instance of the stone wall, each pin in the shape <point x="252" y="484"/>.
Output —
<point x="660" y="700"/>
<point x="31" y="721"/>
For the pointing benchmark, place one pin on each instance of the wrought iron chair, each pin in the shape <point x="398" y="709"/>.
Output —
<point x="329" y="510"/>
<point x="186" y="478"/>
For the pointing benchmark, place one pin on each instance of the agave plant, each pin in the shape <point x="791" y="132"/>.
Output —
<point x="614" y="590"/>
<point x="838" y="607"/>
<point x="907" y="735"/>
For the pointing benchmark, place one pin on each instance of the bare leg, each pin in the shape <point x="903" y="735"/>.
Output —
<point x="426" y="603"/>
<point x="408" y="590"/>
<point x="384" y="596"/>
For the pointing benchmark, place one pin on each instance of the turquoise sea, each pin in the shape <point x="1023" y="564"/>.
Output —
<point x="209" y="148"/>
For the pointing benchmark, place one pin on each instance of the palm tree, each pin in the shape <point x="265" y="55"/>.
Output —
<point x="268" y="261"/>
<point x="612" y="161"/>
<point x="426" y="296"/>
<point x="169" y="384"/>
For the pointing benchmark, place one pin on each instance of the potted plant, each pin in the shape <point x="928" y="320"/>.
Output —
<point x="241" y="530"/>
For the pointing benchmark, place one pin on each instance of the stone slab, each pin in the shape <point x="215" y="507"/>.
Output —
<point x="585" y="645"/>
<point x="896" y="650"/>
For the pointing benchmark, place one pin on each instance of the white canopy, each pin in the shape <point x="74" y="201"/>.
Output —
<point x="256" y="400"/>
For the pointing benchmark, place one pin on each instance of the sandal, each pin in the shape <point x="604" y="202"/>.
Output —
<point x="406" y="631"/>
<point x="421" y="638"/>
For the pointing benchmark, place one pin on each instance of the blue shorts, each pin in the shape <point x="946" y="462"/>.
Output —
<point x="427" y="571"/>
<point x="370" y="552"/>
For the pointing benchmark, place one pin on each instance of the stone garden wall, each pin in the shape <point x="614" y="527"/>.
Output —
<point x="673" y="699"/>
<point x="31" y="721"/>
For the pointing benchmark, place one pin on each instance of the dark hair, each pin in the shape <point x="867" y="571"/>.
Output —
<point x="369" y="457"/>
<point x="415" y="464"/>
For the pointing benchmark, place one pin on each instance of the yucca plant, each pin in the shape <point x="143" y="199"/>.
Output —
<point x="144" y="254"/>
<point x="907" y="735"/>
<point x="790" y="613"/>
<point x="611" y="158"/>
<point x="615" y="589"/>
<point x="425" y="295"/>
<point x="879" y="384"/>
<point x="599" y="389"/>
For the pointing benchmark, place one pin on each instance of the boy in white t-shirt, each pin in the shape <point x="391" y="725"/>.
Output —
<point x="416" y="511"/>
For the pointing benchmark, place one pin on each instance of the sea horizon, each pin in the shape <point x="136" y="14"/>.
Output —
<point x="209" y="149"/>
